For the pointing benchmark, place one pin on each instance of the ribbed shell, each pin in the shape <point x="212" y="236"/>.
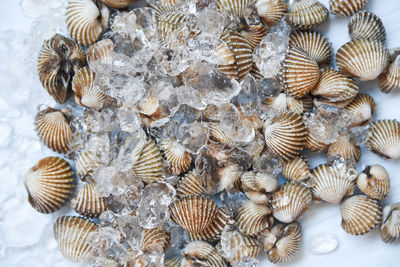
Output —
<point x="71" y="234"/>
<point x="217" y="134"/>
<point x="88" y="203"/>
<point x="173" y="262"/>
<point x="364" y="25"/>
<point x="374" y="182"/>
<point x="389" y="80"/>
<point x="214" y="229"/>
<point x="53" y="129"/>
<point x="89" y="159"/>
<point x="307" y="14"/>
<point x="345" y="149"/>
<point x="360" y="214"/>
<point x="384" y="138"/>
<point x="299" y="73"/>
<point x="271" y="11"/>
<point x="284" y="102"/>
<point x="313" y="144"/>
<point x="199" y="253"/>
<point x="178" y="159"/>
<point x="49" y="184"/>
<point x="86" y="20"/>
<point x="168" y="19"/>
<point x="151" y="110"/>
<point x="285" y="135"/>
<point x="148" y="166"/>
<point x="361" y="109"/>
<point x="346" y="8"/>
<point x="235" y="247"/>
<point x="390" y="229"/>
<point x="290" y="202"/>
<point x="101" y="53"/>
<point x="118" y="3"/>
<point x="287" y="244"/>
<point x="253" y="218"/>
<point x="156" y="239"/>
<point x="190" y="185"/>
<point x="259" y="181"/>
<point x="332" y="184"/>
<point x="232" y="7"/>
<point x="296" y="170"/>
<point x="254" y="34"/>
<point x="364" y="59"/>
<point x="314" y="44"/>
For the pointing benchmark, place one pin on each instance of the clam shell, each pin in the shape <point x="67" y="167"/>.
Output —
<point x="173" y="262"/>
<point x="217" y="134"/>
<point x="364" y="59"/>
<point x="271" y="11"/>
<point x="254" y="34"/>
<point x="390" y="229"/>
<point x="389" y="80"/>
<point x="100" y="54"/>
<point x="314" y="44"/>
<point x="168" y="19"/>
<point x="156" y="239"/>
<point x="374" y="182"/>
<point x="361" y="109"/>
<point x="313" y="144"/>
<point x="49" y="184"/>
<point x="190" y="185"/>
<point x="232" y="7"/>
<point x="118" y="3"/>
<point x="86" y="20"/>
<point x="88" y="202"/>
<point x="253" y="218"/>
<point x="71" y="234"/>
<point x="299" y="73"/>
<point x="148" y="166"/>
<point x="257" y="185"/>
<point x="346" y="8"/>
<point x="285" y="135"/>
<point x="178" y="159"/>
<point x="360" y="214"/>
<point x="151" y="110"/>
<point x="344" y="148"/>
<point x="284" y="102"/>
<point x="53" y="129"/>
<point x="287" y="244"/>
<point x="307" y="14"/>
<point x="214" y="229"/>
<point x="364" y="25"/>
<point x="384" y="138"/>
<point x="290" y="202"/>
<point x="199" y="253"/>
<point x="296" y="170"/>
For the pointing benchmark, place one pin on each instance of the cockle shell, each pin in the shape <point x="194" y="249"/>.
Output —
<point x="271" y="11"/>
<point x="58" y="59"/>
<point x="389" y="80"/>
<point x="364" y="25"/>
<point x="364" y="59"/>
<point x="178" y="158"/>
<point x="285" y="135"/>
<point x="307" y="14"/>
<point x="256" y="186"/>
<point x="118" y="3"/>
<point x="71" y="234"/>
<point x="217" y="134"/>
<point x="290" y="202"/>
<point x="313" y="142"/>
<point x="374" y="182"/>
<point x="88" y="202"/>
<point x="232" y="7"/>
<point x="390" y="229"/>
<point x="168" y="19"/>
<point x="173" y="262"/>
<point x="253" y="218"/>
<point x="384" y="138"/>
<point x="296" y="170"/>
<point x="49" y="184"/>
<point x="254" y="34"/>
<point x="53" y="129"/>
<point x="360" y="214"/>
<point x="190" y="185"/>
<point x="346" y="7"/>
<point x="86" y="20"/>
<point x="361" y="109"/>
<point x="151" y="110"/>
<point x="314" y="44"/>
<point x="344" y="148"/>
<point x="214" y="229"/>
<point x="155" y="239"/>
<point x="284" y="102"/>
<point x="199" y="253"/>
<point x="148" y="166"/>
<point x="299" y="73"/>
<point x="100" y="54"/>
<point x="332" y="183"/>
<point x="288" y="241"/>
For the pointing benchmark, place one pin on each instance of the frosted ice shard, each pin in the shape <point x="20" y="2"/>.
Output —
<point x="323" y="243"/>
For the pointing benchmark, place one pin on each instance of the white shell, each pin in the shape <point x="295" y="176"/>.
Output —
<point x="253" y="218"/>
<point x="178" y="158"/>
<point x="374" y="182"/>
<point x="390" y="229"/>
<point x="384" y="138"/>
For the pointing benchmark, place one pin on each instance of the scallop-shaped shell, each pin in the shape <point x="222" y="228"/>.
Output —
<point x="168" y="19"/>
<point x="259" y="181"/>
<point x="178" y="159"/>
<point x="53" y="129"/>
<point x="100" y="53"/>
<point x="290" y="202"/>
<point x="217" y="134"/>
<point x="364" y="25"/>
<point x="374" y="182"/>
<point x="344" y="148"/>
<point x="232" y="7"/>
<point x="156" y="239"/>
<point x="86" y="93"/>
<point x="190" y="185"/>
<point x="335" y="88"/>
<point x="86" y="20"/>
<point x="390" y="229"/>
<point x="360" y="214"/>
<point x="384" y="138"/>
<point x="346" y="8"/>
<point x="118" y="3"/>
<point x="271" y="11"/>
<point x="90" y="159"/>
<point x="284" y="102"/>
<point x="332" y="183"/>
<point x="364" y="59"/>
<point x="361" y="109"/>
<point x="148" y="166"/>
<point x="313" y="143"/>
<point x="193" y="213"/>
<point x="389" y="80"/>
<point x="253" y="218"/>
<point x="71" y="234"/>
<point x="199" y="253"/>
<point x="88" y="202"/>
<point x="314" y="44"/>
<point x="296" y="170"/>
<point x="49" y="184"/>
<point x="214" y="229"/>
<point x="285" y="135"/>
<point x="307" y="14"/>
<point x="287" y="244"/>
<point x="151" y="110"/>
<point x="254" y="34"/>
<point x="173" y="262"/>
<point x="299" y="73"/>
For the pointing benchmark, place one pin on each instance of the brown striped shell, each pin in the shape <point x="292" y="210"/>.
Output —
<point x="364" y="25"/>
<point x="256" y="186"/>
<point x="88" y="202"/>
<point x="118" y="3"/>
<point x="173" y="262"/>
<point x="253" y="218"/>
<point x="150" y="110"/>
<point x="71" y="234"/>
<point x="271" y="11"/>
<point x="344" y="148"/>
<point x="384" y="138"/>
<point x="389" y="80"/>
<point x="313" y="143"/>
<point x="346" y="8"/>
<point x="360" y="214"/>
<point x="49" y="184"/>
<point x="148" y="167"/>
<point x="155" y="239"/>
<point x="168" y="19"/>
<point x="177" y="157"/>
<point x="296" y="170"/>
<point x="307" y="14"/>
<point x="217" y="134"/>
<point x="100" y="54"/>
<point x="390" y="229"/>
<point x="361" y="109"/>
<point x="254" y="34"/>
<point x="374" y="182"/>
<point x="214" y="229"/>
<point x="232" y="7"/>
<point x="199" y="253"/>
<point x="284" y="102"/>
<point x="190" y="185"/>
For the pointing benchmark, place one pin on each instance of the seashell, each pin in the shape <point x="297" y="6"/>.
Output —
<point x="384" y="138"/>
<point x="151" y="110"/>
<point x="86" y="20"/>
<point x="86" y="93"/>
<point x="53" y="129"/>
<point x="389" y="80"/>
<point x="193" y="213"/>
<point x="156" y="239"/>
<point x="364" y="59"/>
<point x="168" y="19"/>
<point x="390" y="229"/>
<point x="173" y="262"/>
<point x="307" y="14"/>
<point x="254" y="34"/>
<point x="374" y="182"/>
<point x="178" y="159"/>
<point x="361" y="110"/>
<point x="253" y="218"/>
<point x="100" y="53"/>
<point x="296" y="170"/>
<point x="214" y="229"/>
<point x="299" y="73"/>
<point x="71" y="234"/>
<point x="190" y="185"/>
<point x="288" y="241"/>
<point x="285" y="135"/>
<point x="88" y="202"/>
<point x="199" y="253"/>
<point x="346" y="8"/>
<point x="257" y="185"/>
<point x="49" y="184"/>
<point x="148" y="166"/>
<point x="58" y="59"/>
<point x="314" y="44"/>
<point x="284" y="102"/>
<point x="217" y="134"/>
<point x="364" y="25"/>
<point x="290" y="202"/>
<point x="271" y="11"/>
<point x="344" y="148"/>
<point x="360" y="214"/>
<point x="335" y="88"/>
<point x="118" y="3"/>
<point x="234" y="8"/>
<point x="332" y="183"/>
